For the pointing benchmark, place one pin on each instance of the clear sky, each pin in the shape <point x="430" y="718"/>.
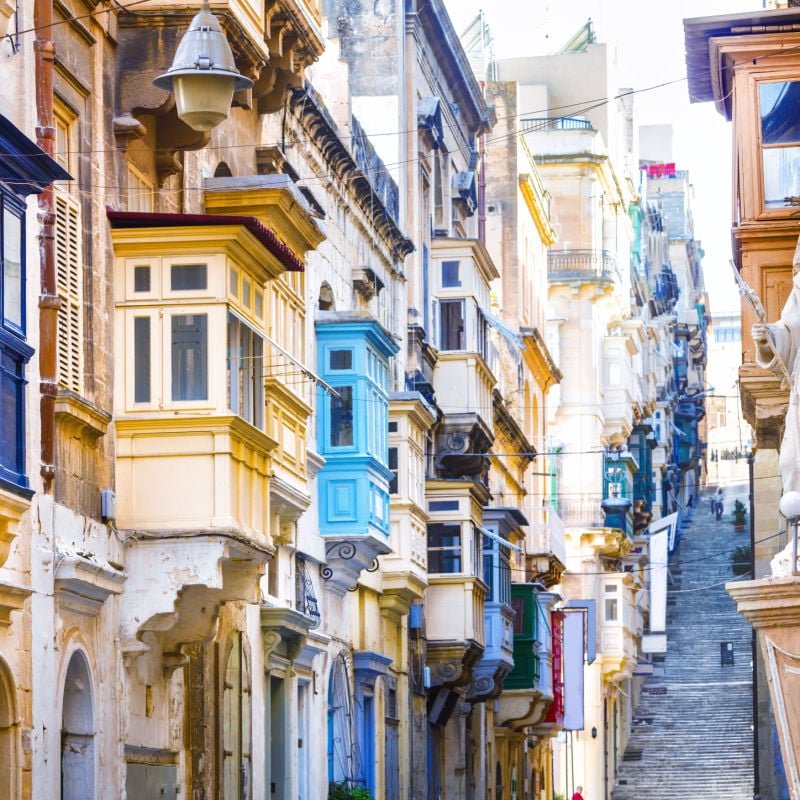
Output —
<point x="648" y="37"/>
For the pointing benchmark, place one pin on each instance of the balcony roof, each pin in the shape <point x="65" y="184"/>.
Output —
<point x="146" y="219"/>
<point x="704" y="82"/>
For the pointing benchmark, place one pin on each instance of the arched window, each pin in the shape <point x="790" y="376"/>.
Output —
<point x="77" y="732"/>
<point x="236" y="727"/>
<point x="343" y="761"/>
<point x="8" y="733"/>
<point x="223" y="171"/>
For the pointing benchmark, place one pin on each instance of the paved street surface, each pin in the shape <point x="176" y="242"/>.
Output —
<point x="692" y="734"/>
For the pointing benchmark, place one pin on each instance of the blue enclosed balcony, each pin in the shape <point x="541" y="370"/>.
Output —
<point x="502" y="532"/>
<point x="353" y="352"/>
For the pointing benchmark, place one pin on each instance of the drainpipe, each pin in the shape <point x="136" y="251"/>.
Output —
<point x="754" y="656"/>
<point x="48" y="299"/>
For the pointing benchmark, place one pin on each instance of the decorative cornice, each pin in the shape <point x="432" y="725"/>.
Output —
<point x="319" y="124"/>
<point x="768" y="602"/>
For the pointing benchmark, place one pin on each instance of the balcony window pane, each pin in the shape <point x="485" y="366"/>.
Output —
<point x="450" y="276"/>
<point x="141" y="279"/>
<point x="141" y="360"/>
<point x="611" y="609"/>
<point x="245" y="372"/>
<point x="781" y="175"/>
<point x="341" y="359"/>
<point x="444" y="548"/>
<point x="393" y="468"/>
<point x="451" y="335"/>
<point x="779" y="121"/>
<point x="11" y="413"/>
<point x="12" y="269"/>
<point x="190" y="357"/>
<point x="188" y="277"/>
<point x="342" y="417"/>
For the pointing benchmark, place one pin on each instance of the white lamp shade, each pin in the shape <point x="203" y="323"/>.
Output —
<point x="789" y="505"/>
<point x="203" y="99"/>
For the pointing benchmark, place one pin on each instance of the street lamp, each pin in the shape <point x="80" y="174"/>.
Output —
<point x="203" y="75"/>
<point x="789" y="506"/>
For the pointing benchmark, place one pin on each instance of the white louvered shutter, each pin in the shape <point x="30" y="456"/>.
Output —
<point x="69" y="277"/>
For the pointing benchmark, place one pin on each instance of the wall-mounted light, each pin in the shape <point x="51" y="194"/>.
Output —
<point x="203" y="75"/>
<point x="594" y="733"/>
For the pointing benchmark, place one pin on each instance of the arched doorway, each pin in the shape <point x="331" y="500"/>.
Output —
<point x="344" y="765"/>
<point x="8" y="733"/>
<point x="77" y="732"/>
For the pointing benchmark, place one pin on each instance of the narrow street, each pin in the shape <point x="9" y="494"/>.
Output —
<point x="692" y="732"/>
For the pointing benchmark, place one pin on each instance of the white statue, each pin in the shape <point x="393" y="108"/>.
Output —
<point x="778" y="350"/>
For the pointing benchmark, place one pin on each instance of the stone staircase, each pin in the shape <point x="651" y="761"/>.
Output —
<point x="692" y="731"/>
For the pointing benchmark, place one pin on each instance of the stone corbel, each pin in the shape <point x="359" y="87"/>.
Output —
<point x="346" y="558"/>
<point x="12" y="598"/>
<point x="7" y="9"/>
<point x="84" y="583"/>
<point x="284" y="633"/>
<point x="12" y="507"/>
<point x="462" y="446"/>
<point x="521" y="708"/>
<point x="174" y="589"/>
<point x="452" y="663"/>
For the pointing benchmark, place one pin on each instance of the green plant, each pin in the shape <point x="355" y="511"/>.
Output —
<point x="342" y="791"/>
<point x="741" y="560"/>
<point x="739" y="513"/>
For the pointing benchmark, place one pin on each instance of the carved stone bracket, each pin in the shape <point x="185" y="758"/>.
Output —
<point x="12" y="598"/>
<point x="12" y="507"/>
<point x="346" y="558"/>
<point x="520" y="708"/>
<point x="462" y="445"/>
<point x="176" y="597"/>
<point x="452" y="663"/>
<point x="85" y="582"/>
<point x="284" y="633"/>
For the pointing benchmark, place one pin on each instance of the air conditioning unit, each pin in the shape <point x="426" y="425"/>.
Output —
<point x="108" y="505"/>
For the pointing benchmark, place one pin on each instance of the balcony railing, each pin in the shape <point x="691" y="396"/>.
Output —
<point x="581" y="514"/>
<point x="531" y="124"/>
<point x="581" y="265"/>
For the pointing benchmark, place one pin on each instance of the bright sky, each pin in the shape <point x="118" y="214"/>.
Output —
<point x="648" y="36"/>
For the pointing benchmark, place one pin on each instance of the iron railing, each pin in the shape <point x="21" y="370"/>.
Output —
<point x="581" y="265"/>
<point x="532" y="124"/>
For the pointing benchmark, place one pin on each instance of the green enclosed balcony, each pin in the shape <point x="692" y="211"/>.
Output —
<point x="527" y="663"/>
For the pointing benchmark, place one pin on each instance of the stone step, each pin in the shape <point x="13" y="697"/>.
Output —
<point x="691" y="735"/>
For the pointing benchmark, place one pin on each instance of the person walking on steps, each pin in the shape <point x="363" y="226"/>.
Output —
<point x="578" y="793"/>
<point x="718" y="507"/>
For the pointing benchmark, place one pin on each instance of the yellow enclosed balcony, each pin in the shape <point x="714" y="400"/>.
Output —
<point x="404" y="571"/>
<point x="463" y="376"/>
<point x="456" y="595"/>
<point x="620" y="625"/>
<point x="193" y="453"/>
<point x="545" y="545"/>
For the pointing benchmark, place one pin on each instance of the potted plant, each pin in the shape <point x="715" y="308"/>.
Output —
<point x="740" y="560"/>
<point x="344" y="791"/>
<point x="739" y="515"/>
